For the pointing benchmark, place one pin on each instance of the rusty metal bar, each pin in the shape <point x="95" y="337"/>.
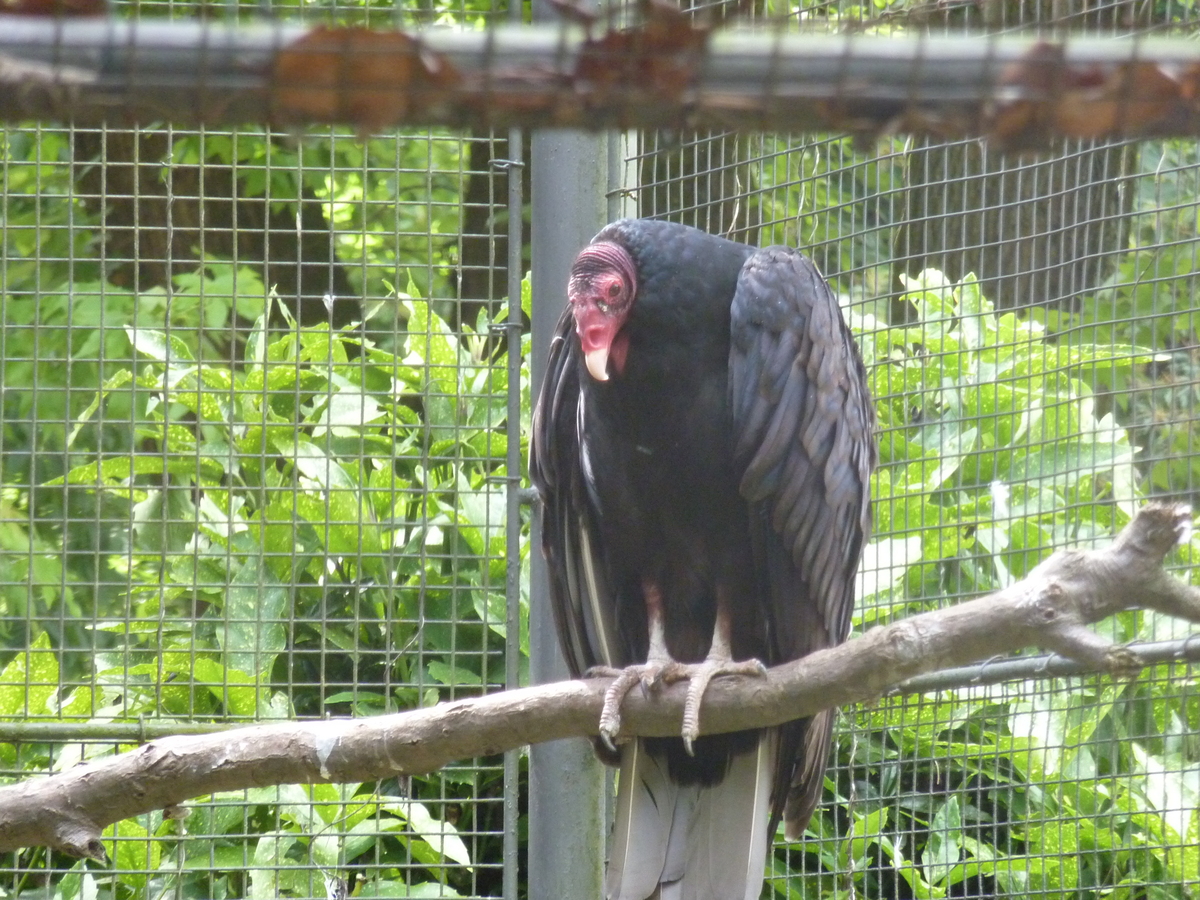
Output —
<point x="536" y="76"/>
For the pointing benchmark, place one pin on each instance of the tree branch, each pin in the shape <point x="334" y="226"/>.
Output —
<point x="1049" y="609"/>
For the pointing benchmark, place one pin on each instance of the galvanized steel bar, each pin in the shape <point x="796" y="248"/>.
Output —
<point x="187" y="72"/>
<point x="1026" y="668"/>
<point x="566" y="802"/>
<point x="512" y="552"/>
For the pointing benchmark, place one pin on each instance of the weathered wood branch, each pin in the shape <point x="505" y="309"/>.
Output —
<point x="1049" y="608"/>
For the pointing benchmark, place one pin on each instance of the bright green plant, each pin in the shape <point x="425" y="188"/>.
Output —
<point x="323" y="516"/>
<point x="992" y="454"/>
<point x="1149" y="299"/>
<point x="328" y="514"/>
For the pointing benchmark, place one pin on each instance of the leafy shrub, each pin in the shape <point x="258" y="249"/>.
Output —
<point x="992" y="454"/>
<point x="1149" y="300"/>
<point x="317" y="529"/>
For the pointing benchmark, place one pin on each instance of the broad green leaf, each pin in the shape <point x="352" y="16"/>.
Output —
<point x="254" y="606"/>
<point x="234" y="689"/>
<point x="441" y="836"/>
<point x="160" y="346"/>
<point x="1172" y="788"/>
<point x="401" y="889"/>
<point x="132" y="850"/>
<point x="270" y="857"/>
<point x="119" y="380"/>
<point x="347" y="412"/>
<point x="30" y="681"/>
<point x="884" y="563"/>
<point x="1064" y="458"/>
<point x="867" y="831"/>
<point x="453" y="675"/>
<point x="943" y="848"/>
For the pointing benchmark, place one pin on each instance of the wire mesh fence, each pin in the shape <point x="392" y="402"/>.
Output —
<point x="262" y="415"/>
<point x="232" y="502"/>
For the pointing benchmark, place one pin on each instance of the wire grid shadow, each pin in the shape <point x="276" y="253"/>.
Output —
<point x="224" y="501"/>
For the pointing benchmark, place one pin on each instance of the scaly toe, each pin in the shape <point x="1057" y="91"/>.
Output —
<point x="677" y="671"/>
<point x="603" y="672"/>
<point x="701" y="675"/>
<point x="610" y="716"/>
<point x="608" y="733"/>
<point x="652" y="677"/>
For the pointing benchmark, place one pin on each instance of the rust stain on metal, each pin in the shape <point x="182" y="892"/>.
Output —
<point x="372" y="79"/>
<point x="654" y="61"/>
<point x="1053" y="98"/>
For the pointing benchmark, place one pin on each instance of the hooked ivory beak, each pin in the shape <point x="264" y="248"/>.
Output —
<point x="597" y="363"/>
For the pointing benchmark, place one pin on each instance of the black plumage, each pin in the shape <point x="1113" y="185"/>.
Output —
<point x="702" y="447"/>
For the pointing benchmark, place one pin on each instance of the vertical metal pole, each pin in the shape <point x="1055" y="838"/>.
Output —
<point x="512" y="551"/>
<point x="569" y="171"/>
<point x="512" y="538"/>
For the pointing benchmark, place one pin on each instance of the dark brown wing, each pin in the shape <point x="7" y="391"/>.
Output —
<point x="804" y="441"/>
<point x="578" y="590"/>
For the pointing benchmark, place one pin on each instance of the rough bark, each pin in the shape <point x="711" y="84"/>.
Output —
<point x="1049" y="608"/>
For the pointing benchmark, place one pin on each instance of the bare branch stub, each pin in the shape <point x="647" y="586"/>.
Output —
<point x="1049" y="608"/>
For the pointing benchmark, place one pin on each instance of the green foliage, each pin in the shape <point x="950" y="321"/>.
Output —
<point x="1149" y="300"/>
<point x="992" y="450"/>
<point x="803" y="196"/>
<point x="323" y="515"/>
<point x="305" y="488"/>
<point x="318" y="527"/>
<point x="1055" y="789"/>
<point x="298" y="841"/>
<point x="992" y="454"/>
<point x="328" y="515"/>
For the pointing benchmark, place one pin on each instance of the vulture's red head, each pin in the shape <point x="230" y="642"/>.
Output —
<point x="601" y="290"/>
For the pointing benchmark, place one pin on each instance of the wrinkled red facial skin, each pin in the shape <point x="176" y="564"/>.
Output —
<point x="601" y="291"/>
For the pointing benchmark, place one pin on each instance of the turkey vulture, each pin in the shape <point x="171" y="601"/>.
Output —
<point x="702" y="447"/>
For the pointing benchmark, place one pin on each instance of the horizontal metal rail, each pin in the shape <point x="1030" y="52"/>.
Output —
<point x="1035" y="668"/>
<point x="1019" y="91"/>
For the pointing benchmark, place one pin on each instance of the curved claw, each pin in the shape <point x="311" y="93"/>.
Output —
<point x="701" y="674"/>
<point x="652" y="675"/>
<point x="610" y="716"/>
<point x="607" y="740"/>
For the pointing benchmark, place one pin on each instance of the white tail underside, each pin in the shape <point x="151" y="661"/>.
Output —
<point x="690" y="843"/>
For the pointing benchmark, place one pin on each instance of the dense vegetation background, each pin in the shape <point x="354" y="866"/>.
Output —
<point x="224" y="499"/>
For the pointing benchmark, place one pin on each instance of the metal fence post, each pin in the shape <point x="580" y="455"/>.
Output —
<point x="566" y="804"/>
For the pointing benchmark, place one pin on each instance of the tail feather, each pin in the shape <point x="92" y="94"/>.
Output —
<point x="646" y="799"/>
<point x="691" y="842"/>
<point x="808" y="782"/>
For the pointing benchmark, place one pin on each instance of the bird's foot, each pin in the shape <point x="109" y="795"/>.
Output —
<point x="649" y="675"/>
<point x="699" y="675"/>
<point x="652" y="675"/>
